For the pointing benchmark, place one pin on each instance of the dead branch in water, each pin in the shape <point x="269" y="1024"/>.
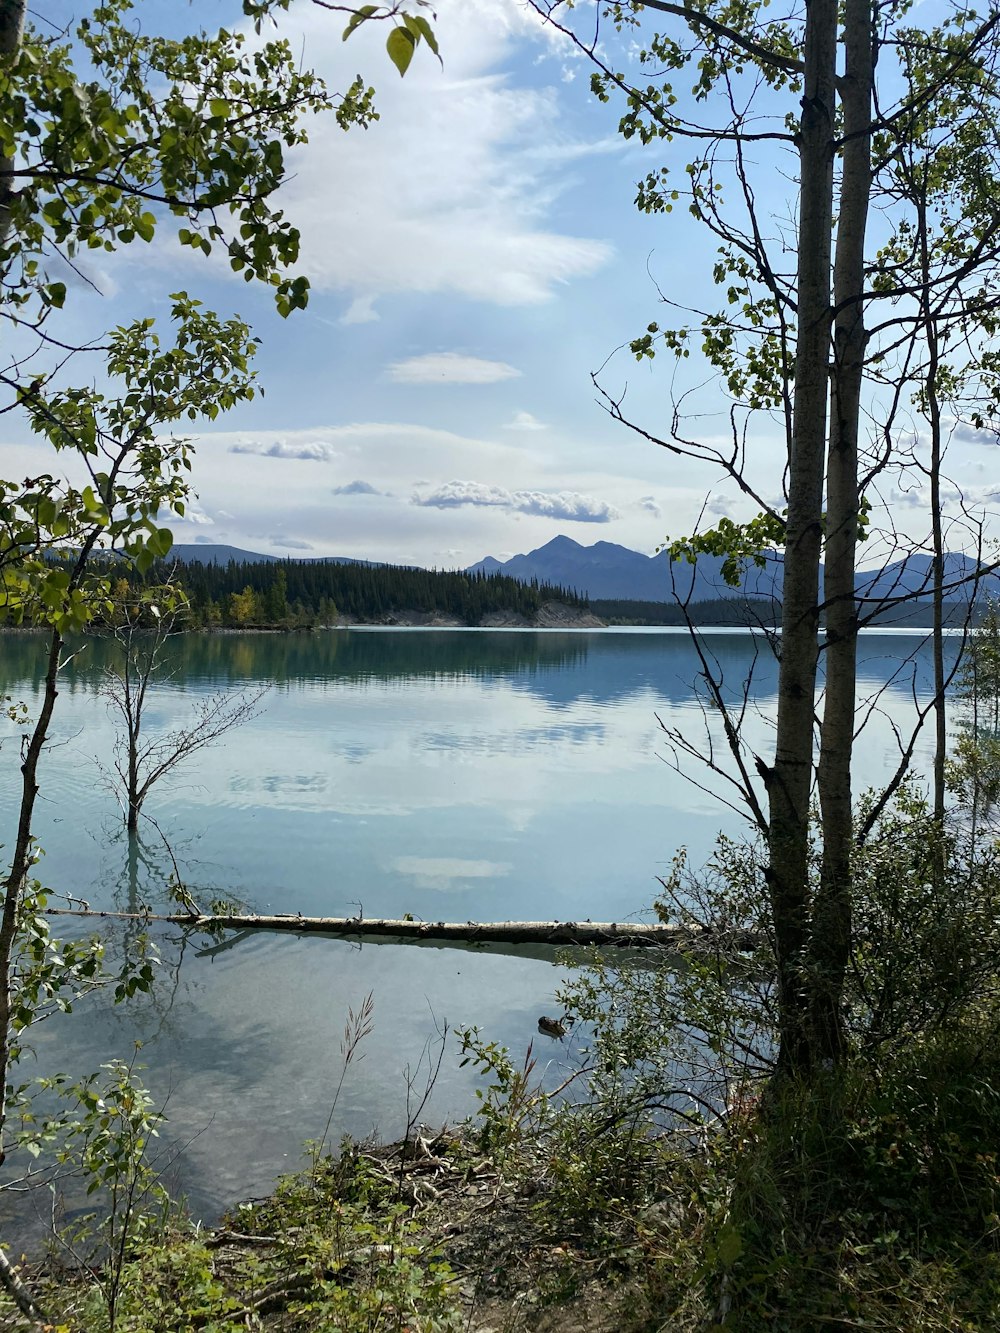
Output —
<point x="627" y="934"/>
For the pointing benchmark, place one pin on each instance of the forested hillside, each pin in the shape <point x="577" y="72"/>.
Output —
<point x="299" y="594"/>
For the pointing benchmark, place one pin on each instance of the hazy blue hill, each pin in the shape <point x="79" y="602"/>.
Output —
<point x="205" y="553"/>
<point x="915" y="575"/>
<point x="202" y="553"/>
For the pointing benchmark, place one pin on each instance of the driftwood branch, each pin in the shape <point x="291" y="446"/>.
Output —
<point x="20" y="1294"/>
<point x="622" y="934"/>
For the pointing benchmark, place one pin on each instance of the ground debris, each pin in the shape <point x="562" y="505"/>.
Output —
<point x="430" y="1219"/>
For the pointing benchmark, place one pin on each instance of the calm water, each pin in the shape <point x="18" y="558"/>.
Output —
<point x="463" y="775"/>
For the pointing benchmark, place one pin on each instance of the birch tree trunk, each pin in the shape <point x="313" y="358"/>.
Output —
<point x="830" y="941"/>
<point x="789" y="783"/>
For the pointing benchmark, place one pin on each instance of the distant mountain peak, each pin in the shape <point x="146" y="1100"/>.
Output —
<point x="559" y="543"/>
<point x="606" y="569"/>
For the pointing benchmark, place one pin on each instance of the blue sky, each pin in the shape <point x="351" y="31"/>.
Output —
<point x="473" y="257"/>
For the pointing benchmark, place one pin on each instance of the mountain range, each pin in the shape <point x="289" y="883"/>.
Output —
<point x="608" y="571"/>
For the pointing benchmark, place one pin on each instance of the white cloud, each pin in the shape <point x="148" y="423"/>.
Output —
<point x="357" y="488"/>
<point x="309" y="451"/>
<point x="452" y="189"/>
<point x="360" y="311"/>
<point x="648" y="502"/>
<point x="524" y="421"/>
<point x="566" y="505"/>
<point x="719" y="506"/>
<point x="196" y="516"/>
<point x="450" y="368"/>
<point x="968" y="434"/>
<point x="952" y="496"/>
<point x="290" y="543"/>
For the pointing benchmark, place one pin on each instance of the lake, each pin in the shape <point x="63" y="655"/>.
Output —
<point x="451" y="774"/>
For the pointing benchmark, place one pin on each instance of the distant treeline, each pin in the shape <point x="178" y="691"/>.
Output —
<point x="762" y="611"/>
<point x="301" y="593"/>
<point x="721" y="611"/>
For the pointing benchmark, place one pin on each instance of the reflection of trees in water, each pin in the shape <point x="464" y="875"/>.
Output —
<point x="560" y="668"/>
<point x="147" y="881"/>
<point x="321" y="655"/>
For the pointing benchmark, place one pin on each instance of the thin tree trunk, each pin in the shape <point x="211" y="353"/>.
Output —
<point x="830" y="937"/>
<point x="789" y="783"/>
<point x="11" y="31"/>
<point x="937" y="531"/>
<point x="133" y="702"/>
<point x="17" y="876"/>
<point x="13" y="889"/>
<point x="132" y="898"/>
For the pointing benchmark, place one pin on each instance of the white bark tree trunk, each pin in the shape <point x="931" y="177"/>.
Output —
<point x="830" y="941"/>
<point x="789" y="783"/>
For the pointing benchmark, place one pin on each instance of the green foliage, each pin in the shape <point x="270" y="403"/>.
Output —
<point x="736" y="543"/>
<point x="149" y="132"/>
<point x="342" y="1221"/>
<point x="925" y="942"/>
<point x="49" y="974"/>
<point x="138" y="473"/>
<point x="330" y="1249"/>
<point x="867" y="1197"/>
<point x="732" y="1199"/>
<point x="52" y="976"/>
<point x="194" y="129"/>
<point x="169" y="1276"/>
<point x="510" y="1105"/>
<point x="404" y="38"/>
<point x="974" y="767"/>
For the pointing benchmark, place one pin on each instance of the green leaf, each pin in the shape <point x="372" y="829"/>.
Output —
<point x="400" y="45"/>
<point x="419" y="26"/>
<point x="365" y="12"/>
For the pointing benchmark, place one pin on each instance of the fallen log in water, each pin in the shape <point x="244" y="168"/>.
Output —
<point x="624" y="934"/>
